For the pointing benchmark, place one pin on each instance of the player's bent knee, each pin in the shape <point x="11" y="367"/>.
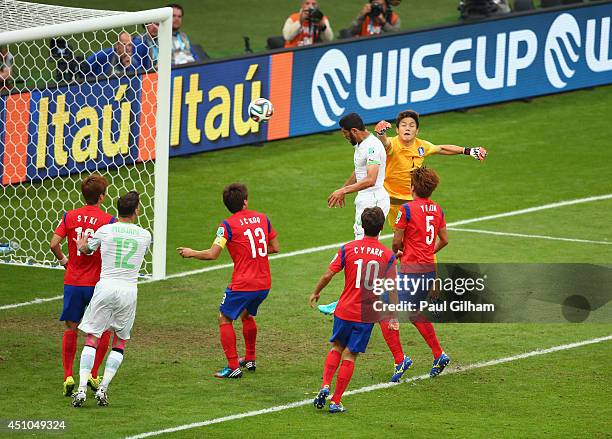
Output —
<point x="224" y="319"/>
<point x="118" y="344"/>
<point x="92" y="341"/>
<point x="73" y="326"/>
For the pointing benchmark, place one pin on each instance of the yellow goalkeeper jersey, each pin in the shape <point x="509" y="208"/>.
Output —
<point x="401" y="160"/>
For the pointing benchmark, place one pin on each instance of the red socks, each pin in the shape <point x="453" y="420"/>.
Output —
<point x="331" y="365"/>
<point x="249" y="331"/>
<point x="100" y="353"/>
<point x="342" y="380"/>
<point x="429" y="335"/>
<point x="392" y="338"/>
<point x="228" y="341"/>
<point x="69" y="347"/>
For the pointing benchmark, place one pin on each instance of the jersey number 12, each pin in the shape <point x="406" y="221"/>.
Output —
<point x="128" y="245"/>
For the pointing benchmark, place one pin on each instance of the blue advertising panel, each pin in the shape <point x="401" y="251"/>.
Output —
<point x="209" y="105"/>
<point x="452" y="68"/>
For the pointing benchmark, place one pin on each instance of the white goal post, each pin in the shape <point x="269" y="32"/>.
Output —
<point x="75" y="127"/>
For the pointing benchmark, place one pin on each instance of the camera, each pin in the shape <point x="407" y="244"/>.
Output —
<point x="315" y="15"/>
<point x="376" y="10"/>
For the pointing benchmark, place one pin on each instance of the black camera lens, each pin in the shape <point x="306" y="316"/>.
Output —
<point x="315" y="15"/>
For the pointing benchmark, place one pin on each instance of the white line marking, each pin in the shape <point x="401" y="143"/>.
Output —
<point x="336" y="245"/>
<point x="523" y="235"/>
<point x="373" y="387"/>
<point x="31" y="302"/>
<point x="532" y="209"/>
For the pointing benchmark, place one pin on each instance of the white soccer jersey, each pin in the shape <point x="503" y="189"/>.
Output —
<point x="123" y="247"/>
<point x="370" y="152"/>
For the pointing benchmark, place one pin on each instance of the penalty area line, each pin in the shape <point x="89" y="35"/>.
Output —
<point x="374" y="387"/>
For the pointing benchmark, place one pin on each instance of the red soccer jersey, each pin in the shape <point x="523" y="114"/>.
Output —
<point x="248" y="234"/>
<point x="363" y="261"/>
<point x="421" y="220"/>
<point x="82" y="270"/>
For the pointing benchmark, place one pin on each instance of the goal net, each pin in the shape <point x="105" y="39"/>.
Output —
<point x="81" y="92"/>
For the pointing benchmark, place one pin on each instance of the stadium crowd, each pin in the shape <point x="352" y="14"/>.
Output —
<point x="307" y="26"/>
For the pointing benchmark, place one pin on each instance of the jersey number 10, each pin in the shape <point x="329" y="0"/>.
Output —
<point x="371" y="273"/>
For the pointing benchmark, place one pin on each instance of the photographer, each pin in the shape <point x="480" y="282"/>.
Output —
<point x="308" y="26"/>
<point x="375" y="18"/>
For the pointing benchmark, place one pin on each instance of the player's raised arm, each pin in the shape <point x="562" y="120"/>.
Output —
<point x="204" y="255"/>
<point x="381" y="132"/>
<point x="323" y="282"/>
<point x="479" y="153"/>
<point x="87" y="246"/>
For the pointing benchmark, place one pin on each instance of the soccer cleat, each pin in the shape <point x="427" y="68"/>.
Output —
<point x="79" y="398"/>
<point x="328" y="309"/>
<point x="400" y="369"/>
<point x="69" y="386"/>
<point x="250" y="365"/>
<point x="94" y="383"/>
<point x="102" y="398"/>
<point x="319" y="401"/>
<point x="336" y="408"/>
<point x="439" y="364"/>
<point x="227" y="372"/>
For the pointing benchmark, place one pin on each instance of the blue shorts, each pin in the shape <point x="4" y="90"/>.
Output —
<point x="76" y="300"/>
<point x="354" y="335"/>
<point x="234" y="302"/>
<point x="414" y="287"/>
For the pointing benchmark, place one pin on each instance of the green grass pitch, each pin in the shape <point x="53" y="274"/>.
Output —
<point x="552" y="149"/>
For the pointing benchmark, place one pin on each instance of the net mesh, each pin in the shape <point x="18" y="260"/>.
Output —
<point x="15" y="15"/>
<point x="69" y="107"/>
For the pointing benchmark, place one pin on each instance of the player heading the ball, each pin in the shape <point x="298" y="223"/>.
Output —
<point x="123" y="246"/>
<point x="249" y="237"/>
<point x="369" y="175"/>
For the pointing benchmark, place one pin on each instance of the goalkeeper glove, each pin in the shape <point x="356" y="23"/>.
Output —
<point x="479" y="153"/>
<point x="382" y="127"/>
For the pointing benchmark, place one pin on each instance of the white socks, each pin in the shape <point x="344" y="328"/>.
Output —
<point x="112" y="364"/>
<point x="88" y="356"/>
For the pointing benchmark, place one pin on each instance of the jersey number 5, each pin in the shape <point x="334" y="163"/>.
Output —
<point x="430" y="230"/>
<point x="261" y="250"/>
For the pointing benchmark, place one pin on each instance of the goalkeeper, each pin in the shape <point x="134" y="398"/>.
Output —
<point x="406" y="152"/>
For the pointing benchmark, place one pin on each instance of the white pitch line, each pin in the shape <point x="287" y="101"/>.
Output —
<point x="523" y="235"/>
<point x="456" y="223"/>
<point x="532" y="209"/>
<point x="338" y="244"/>
<point x="31" y="302"/>
<point x="371" y="388"/>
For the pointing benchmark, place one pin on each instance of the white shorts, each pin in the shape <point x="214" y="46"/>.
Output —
<point x="113" y="306"/>
<point x="378" y="198"/>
